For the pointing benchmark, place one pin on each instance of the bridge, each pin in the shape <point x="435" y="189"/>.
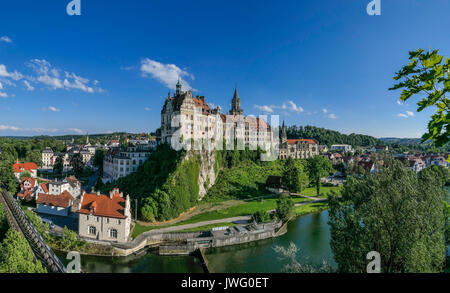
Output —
<point x="19" y="221"/>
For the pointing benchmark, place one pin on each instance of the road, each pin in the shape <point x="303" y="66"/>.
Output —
<point x="237" y="220"/>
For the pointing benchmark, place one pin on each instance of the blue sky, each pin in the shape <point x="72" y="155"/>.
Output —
<point x="323" y="62"/>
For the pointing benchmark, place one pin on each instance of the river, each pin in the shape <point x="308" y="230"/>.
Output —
<point x="310" y="233"/>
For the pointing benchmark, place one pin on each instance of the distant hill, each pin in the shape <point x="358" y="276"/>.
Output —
<point x="329" y="137"/>
<point x="402" y="141"/>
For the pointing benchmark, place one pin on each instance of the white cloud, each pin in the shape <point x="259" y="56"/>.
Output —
<point x="147" y="109"/>
<point x="325" y="111"/>
<point x="3" y="95"/>
<point x="51" y="77"/>
<point x="76" y="130"/>
<point x="407" y="114"/>
<point x="5" y="39"/>
<point x="53" y="109"/>
<point x="14" y="75"/>
<point x="290" y="105"/>
<point x="264" y="108"/>
<point x="332" y="116"/>
<point x="399" y="103"/>
<point x="5" y="127"/>
<point x="167" y="74"/>
<point x="28" y="85"/>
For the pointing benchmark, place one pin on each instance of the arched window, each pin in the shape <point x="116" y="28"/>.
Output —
<point x="92" y="230"/>
<point x="113" y="233"/>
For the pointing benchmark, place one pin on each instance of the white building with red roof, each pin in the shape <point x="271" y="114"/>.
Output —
<point x="105" y="217"/>
<point x="51" y="204"/>
<point x="297" y="148"/>
<point x="20" y="168"/>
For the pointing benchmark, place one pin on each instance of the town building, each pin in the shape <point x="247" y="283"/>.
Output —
<point x="19" y="168"/>
<point x="341" y="147"/>
<point x="55" y="204"/>
<point x="120" y="163"/>
<point x="297" y="148"/>
<point x="377" y="149"/>
<point x="105" y="217"/>
<point x="28" y="189"/>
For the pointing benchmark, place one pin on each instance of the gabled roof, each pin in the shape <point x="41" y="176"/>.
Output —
<point x="112" y="206"/>
<point x="62" y="200"/>
<point x="21" y="167"/>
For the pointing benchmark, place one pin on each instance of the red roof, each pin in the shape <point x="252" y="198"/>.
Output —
<point x="45" y="187"/>
<point x="200" y="104"/>
<point x="112" y="206"/>
<point x="19" y="168"/>
<point x="294" y="141"/>
<point x="63" y="200"/>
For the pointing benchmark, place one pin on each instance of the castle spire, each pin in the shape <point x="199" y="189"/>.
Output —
<point x="236" y="104"/>
<point x="178" y="92"/>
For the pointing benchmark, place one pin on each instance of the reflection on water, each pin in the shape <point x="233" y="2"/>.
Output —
<point x="147" y="263"/>
<point x="310" y="233"/>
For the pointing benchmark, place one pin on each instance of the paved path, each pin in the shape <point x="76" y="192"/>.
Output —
<point x="243" y="219"/>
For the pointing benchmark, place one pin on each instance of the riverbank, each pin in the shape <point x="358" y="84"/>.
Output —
<point x="309" y="232"/>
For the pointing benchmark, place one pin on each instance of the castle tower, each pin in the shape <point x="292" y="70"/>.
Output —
<point x="236" y="104"/>
<point x="178" y="92"/>
<point x="87" y="138"/>
<point x="283" y="134"/>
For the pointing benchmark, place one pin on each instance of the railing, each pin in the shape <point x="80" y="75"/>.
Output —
<point x="20" y="222"/>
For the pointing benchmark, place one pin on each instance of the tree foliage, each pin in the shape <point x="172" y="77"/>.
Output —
<point x="330" y="137"/>
<point x="294" y="177"/>
<point x="76" y="162"/>
<point x="285" y="208"/>
<point x="318" y="167"/>
<point x="58" y="166"/>
<point x="16" y="255"/>
<point x="394" y="212"/>
<point x="427" y="76"/>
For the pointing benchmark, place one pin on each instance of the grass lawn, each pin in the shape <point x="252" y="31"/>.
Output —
<point x="324" y="191"/>
<point x="208" y="227"/>
<point x="244" y="209"/>
<point x="311" y="208"/>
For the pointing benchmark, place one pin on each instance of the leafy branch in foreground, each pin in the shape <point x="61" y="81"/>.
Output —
<point x="291" y="254"/>
<point x="427" y="76"/>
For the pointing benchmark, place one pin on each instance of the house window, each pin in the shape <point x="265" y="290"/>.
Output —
<point x="113" y="233"/>
<point x="92" y="230"/>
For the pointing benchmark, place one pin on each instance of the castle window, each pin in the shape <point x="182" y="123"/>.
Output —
<point x="92" y="230"/>
<point x="113" y="233"/>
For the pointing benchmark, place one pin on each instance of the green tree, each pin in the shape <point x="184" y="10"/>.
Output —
<point x="98" y="160"/>
<point x="294" y="179"/>
<point x="25" y="174"/>
<point x="69" y="240"/>
<point x="58" y="166"/>
<point x="394" y="212"/>
<point x="285" y="208"/>
<point x="16" y="255"/>
<point x="318" y="167"/>
<point x="76" y="162"/>
<point x="428" y="76"/>
<point x="261" y="217"/>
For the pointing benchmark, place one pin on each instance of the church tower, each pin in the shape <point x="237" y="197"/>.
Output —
<point x="283" y="134"/>
<point x="236" y="105"/>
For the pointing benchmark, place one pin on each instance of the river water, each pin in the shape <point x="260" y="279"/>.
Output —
<point x="310" y="233"/>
